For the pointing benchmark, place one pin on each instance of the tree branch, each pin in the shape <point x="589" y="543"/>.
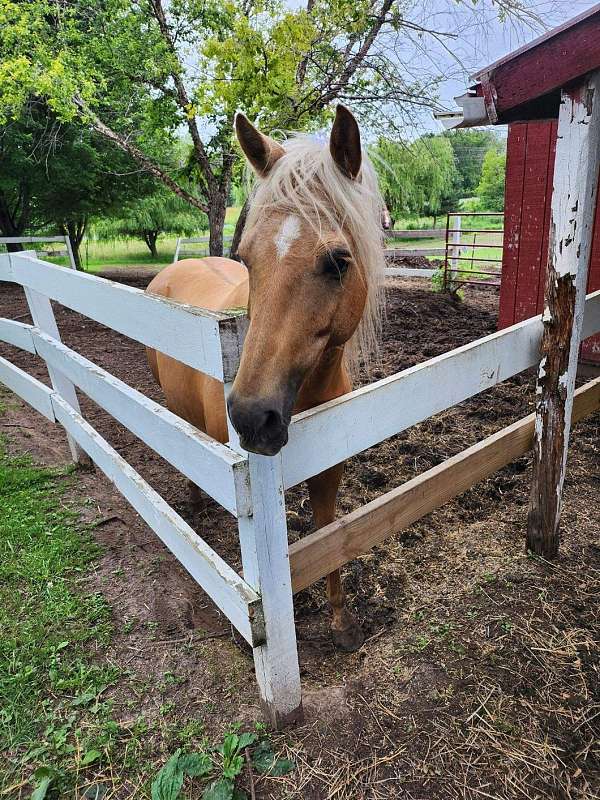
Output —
<point x="182" y="95"/>
<point x="129" y="148"/>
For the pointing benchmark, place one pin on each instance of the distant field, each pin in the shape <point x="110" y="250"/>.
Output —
<point x="99" y="255"/>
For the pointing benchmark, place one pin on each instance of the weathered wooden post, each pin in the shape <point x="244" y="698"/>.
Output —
<point x="571" y="226"/>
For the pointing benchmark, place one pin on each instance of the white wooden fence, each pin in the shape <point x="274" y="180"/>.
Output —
<point x="38" y="240"/>
<point x="197" y="246"/>
<point x="251" y="487"/>
<point x="410" y="252"/>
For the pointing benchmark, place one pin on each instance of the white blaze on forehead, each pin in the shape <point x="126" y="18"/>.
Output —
<point x="290" y="230"/>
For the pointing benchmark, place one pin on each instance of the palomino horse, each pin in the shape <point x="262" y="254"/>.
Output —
<point x="312" y="254"/>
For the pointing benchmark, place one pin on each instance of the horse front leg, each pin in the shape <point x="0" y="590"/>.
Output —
<point x="346" y="633"/>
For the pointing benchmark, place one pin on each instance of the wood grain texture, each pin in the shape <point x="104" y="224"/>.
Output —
<point x="358" y="420"/>
<point x="265" y="561"/>
<point x="329" y="548"/>
<point x="574" y="195"/>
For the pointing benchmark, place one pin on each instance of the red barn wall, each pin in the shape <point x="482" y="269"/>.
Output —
<point x="529" y="171"/>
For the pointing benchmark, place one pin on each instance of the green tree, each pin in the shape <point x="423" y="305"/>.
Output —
<point x="491" y="186"/>
<point x="470" y="147"/>
<point x="57" y="177"/>
<point x="415" y="177"/>
<point x="136" y="71"/>
<point x="148" y="218"/>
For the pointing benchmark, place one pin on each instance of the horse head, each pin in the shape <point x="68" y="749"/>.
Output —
<point x="313" y="248"/>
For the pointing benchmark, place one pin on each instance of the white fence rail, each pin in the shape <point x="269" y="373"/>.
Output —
<point x="38" y="240"/>
<point x="183" y="249"/>
<point x="362" y="418"/>
<point x="249" y="486"/>
<point x="212" y="343"/>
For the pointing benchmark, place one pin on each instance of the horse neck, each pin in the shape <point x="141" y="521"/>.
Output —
<point x="328" y="379"/>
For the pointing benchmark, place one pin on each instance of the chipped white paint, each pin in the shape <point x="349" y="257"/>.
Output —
<point x="266" y="567"/>
<point x="330" y="433"/>
<point x="575" y="185"/>
<point x="547" y="315"/>
<point x="287" y="234"/>
<point x="265" y="560"/>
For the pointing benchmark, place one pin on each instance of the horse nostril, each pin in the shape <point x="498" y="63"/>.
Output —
<point x="272" y="422"/>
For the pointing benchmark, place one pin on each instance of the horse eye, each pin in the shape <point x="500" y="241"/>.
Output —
<point x="336" y="263"/>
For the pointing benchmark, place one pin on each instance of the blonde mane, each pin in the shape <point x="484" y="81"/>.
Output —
<point x="307" y="182"/>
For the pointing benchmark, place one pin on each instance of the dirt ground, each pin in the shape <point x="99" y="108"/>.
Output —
<point x="480" y="675"/>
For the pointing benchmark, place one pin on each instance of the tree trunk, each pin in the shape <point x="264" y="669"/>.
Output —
<point x="239" y="230"/>
<point x="75" y="230"/>
<point x="217" y="206"/>
<point x="150" y="238"/>
<point x="12" y="224"/>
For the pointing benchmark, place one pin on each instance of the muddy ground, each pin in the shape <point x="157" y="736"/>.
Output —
<point x="481" y="672"/>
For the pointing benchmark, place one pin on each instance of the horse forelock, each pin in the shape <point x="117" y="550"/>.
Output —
<point x="306" y="185"/>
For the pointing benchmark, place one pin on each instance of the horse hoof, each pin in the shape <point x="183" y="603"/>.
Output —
<point x="349" y="639"/>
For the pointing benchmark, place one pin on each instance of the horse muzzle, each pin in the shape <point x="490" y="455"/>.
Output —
<point x="261" y="423"/>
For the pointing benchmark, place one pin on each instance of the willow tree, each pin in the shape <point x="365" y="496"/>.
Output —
<point x="138" y="70"/>
<point x="415" y="176"/>
<point x="149" y="217"/>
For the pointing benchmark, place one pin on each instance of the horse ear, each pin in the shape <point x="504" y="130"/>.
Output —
<point x="261" y="151"/>
<point x="344" y="142"/>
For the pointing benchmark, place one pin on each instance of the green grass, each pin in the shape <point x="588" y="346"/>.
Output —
<point x="62" y="732"/>
<point x="49" y="629"/>
<point x="119" y="253"/>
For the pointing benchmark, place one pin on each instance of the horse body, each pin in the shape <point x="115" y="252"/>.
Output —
<point x="313" y="264"/>
<point x="216" y="284"/>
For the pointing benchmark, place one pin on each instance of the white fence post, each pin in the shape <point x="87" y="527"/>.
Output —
<point x="266" y="565"/>
<point x="177" y="249"/>
<point x="574" y="195"/>
<point x="70" y="252"/>
<point x="43" y="317"/>
<point x="455" y="249"/>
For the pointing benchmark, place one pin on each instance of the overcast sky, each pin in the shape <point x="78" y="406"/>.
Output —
<point x="486" y="39"/>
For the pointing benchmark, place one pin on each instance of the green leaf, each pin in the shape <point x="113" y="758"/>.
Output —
<point x="168" y="782"/>
<point x="282" y="766"/>
<point x="265" y="761"/>
<point x="230" y="745"/>
<point x="84" y="699"/>
<point x="43" y="777"/>
<point x="263" y="757"/>
<point x="90" y="757"/>
<point x="219" y="790"/>
<point x="195" y="764"/>
<point x="233" y="766"/>
<point x="247" y="739"/>
<point x="97" y="791"/>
